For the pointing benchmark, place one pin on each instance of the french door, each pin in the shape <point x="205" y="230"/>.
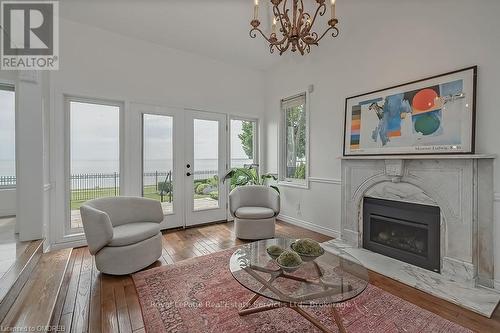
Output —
<point x="176" y="156"/>
<point x="183" y="162"/>
<point x="205" y="164"/>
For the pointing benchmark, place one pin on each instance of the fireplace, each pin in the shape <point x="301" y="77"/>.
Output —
<point x="405" y="231"/>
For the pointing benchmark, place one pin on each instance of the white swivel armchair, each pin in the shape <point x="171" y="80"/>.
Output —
<point x="123" y="233"/>
<point x="254" y="208"/>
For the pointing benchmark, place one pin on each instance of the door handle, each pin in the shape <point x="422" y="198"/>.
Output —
<point x="188" y="174"/>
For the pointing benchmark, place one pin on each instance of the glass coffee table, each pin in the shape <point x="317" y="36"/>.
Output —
<point x="327" y="280"/>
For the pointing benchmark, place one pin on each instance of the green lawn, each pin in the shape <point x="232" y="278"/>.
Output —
<point x="78" y="197"/>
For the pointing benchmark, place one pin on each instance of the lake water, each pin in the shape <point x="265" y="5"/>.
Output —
<point x="203" y="168"/>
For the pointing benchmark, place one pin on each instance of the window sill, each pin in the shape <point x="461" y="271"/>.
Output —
<point x="304" y="185"/>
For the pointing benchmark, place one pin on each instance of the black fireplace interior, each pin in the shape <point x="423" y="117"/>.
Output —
<point x="405" y="231"/>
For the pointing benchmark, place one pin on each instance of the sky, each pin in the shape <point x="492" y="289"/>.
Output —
<point x="95" y="135"/>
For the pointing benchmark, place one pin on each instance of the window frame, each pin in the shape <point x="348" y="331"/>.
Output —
<point x="282" y="149"/>
<point x="69" y="231"/>
<point x="12" y="87"/>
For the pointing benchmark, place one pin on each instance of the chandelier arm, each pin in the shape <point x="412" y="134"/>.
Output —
<point x="253" y="34"/>
<point x="276" y="12"/>
<point x="321" y="10"/>
<point x="301" y="46"/>
<point x="284" y="48"/>
<point x="285" y="15"/>
<point x="304" y="17"/>
<point x="300" y="10"/>
<point x="335" y="33"/>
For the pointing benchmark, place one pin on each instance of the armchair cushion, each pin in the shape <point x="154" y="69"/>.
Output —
<point x="254" y="213"/>
<point x="134" y="232"/>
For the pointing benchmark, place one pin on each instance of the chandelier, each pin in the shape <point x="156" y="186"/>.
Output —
<point x="295" y="25"/>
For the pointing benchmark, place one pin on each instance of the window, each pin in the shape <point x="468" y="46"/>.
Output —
<point x="7" y="137"/>
<point x="243" y="142"/>
<point x="94" y="154"/>
<point x="158" y="159"/>
<point x="294" y="141"/>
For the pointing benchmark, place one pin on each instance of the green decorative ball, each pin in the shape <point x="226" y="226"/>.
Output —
<point x="307" y="247"/>
<point x="274" y="250"/>
<point x="289" y="259"/>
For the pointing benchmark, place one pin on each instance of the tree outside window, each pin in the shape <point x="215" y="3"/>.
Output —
<point x="295" y="120"/>
<point x="294" y="140"/>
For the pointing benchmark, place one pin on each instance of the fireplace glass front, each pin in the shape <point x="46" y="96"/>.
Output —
<point x="404" y="231"/>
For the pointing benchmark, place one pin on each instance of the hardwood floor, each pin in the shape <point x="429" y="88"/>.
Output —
<point x="93" y="302"/>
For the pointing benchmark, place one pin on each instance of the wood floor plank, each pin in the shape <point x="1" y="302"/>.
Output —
<point x="80" y="320"/>
<point x="114" y="304"/>
<point x="109" y="318"/>
<point x="69" y="302"/>
<point x="58" y="310"/>
<point x="134" y="308"/>
<point x="122" y="313"/>
<point x="95" y="301"/>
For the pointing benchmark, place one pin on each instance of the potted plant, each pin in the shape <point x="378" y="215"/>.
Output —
<point x="249" y="175"/>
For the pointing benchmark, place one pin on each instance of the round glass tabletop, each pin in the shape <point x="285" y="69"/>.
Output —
<point x="329" y="278"/>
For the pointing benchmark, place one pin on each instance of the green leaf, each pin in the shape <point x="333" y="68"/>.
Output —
<point x="276" y="188"/>
<point x="228" y="175"/>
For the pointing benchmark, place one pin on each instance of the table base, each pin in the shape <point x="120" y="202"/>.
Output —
<point x="247" y="310"/>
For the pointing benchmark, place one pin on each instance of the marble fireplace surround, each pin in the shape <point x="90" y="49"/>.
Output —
<point x="462" y="187"/>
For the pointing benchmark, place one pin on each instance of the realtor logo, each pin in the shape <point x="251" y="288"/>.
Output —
<point x="30" y="35"/>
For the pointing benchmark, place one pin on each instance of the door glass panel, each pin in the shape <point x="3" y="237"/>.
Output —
<point x="7" y="137"/>
<point x="242" y="142"/>
<point x="157" y="179"/>
<point x="94" y="154"/>
<point x="206" y="164"/>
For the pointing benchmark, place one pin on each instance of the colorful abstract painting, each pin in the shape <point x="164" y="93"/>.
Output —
<point x="434" y="115"/>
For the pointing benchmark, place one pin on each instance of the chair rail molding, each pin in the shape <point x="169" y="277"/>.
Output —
<point x="333" y="181"/>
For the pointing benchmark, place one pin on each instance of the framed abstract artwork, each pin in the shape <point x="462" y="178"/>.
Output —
<point x="435" y="115"/>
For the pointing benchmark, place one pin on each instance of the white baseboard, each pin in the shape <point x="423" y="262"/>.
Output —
<point x="65" y="245"/>
<point x="310" y="226"/>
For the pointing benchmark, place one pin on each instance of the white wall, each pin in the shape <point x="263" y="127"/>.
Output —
<point x="382" y="43"/>
<point x="101" y="64"/>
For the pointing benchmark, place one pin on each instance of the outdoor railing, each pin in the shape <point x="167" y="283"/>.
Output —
<point x="7" y="181"/>
<point x="95" y="185"/>
<point x="88" y="186"/>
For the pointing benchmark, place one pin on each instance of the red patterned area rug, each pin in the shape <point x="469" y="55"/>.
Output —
<point x="200" y="295"/>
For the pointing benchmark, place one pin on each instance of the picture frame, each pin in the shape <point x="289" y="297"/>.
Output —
<point x="434" y="115"/>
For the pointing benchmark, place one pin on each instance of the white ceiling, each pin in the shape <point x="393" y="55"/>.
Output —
<point x="214" y="28"/>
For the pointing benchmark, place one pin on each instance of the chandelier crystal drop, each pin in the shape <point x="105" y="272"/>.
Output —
<point x="292" y="26"/>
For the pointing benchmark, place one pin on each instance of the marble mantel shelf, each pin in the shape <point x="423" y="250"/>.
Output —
<point x="422" y="157"/>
